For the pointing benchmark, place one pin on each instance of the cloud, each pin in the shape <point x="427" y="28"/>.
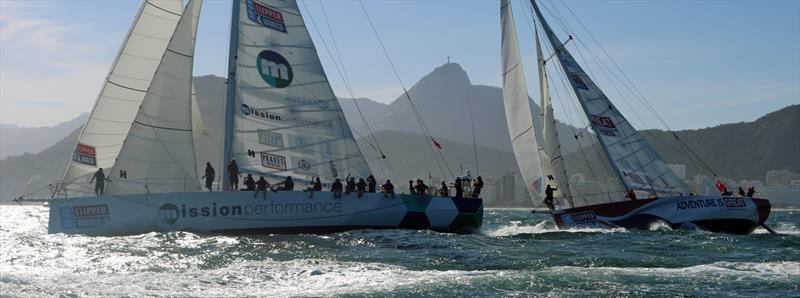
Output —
<point x="50" y="71"/>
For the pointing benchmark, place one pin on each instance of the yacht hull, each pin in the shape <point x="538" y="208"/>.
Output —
<point x="735" y="215"/>
<point x="277" y="212"/>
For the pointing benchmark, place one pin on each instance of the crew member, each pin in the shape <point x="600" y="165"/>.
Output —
<point x="287" y="184"/>
<point x="350" y="185"/>
<point x="549" y="199"/>
<point x="261" y="186"/>
<point x="209" y="176"/>
<point x="388" y="189"/>
<point x="361" y="186"/>
<point x="249" y="183"/>
<point x="100" y="186"/>
<point x="371" y="183"/>
<point x="459" y="188"/>
<point x="233" y="175"/>
<point x="631" y="195"/>
<point x="316" y="185"/>
<point x="476" y="187"/>
<point x="420" y="189"/>
<point x="443" y="191"/>
<point x="336" y="188"/>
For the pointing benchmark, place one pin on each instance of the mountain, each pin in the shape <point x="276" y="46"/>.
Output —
<point x="742" y="151"/>
<point x="444" y="98"/>
<point x="16" y="140"/>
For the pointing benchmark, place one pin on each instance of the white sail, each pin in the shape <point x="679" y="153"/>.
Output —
<point x="517" y="105"/>
<point x="635" y="163"/>
<point x="552" y="160"/>
<point x="283" y="118"/>
<point x="158" y="153"/>
<point x="125" y="86"/>
<point x="198" y="126"/>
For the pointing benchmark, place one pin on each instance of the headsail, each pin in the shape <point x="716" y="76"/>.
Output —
<point x="158" y="153"/>
<point x="125" y="86"/>
<point x="551" y="156"/>
<point x="635" y="163"/>
<point x="282" y="116"/>
<point x="517" y="105"/>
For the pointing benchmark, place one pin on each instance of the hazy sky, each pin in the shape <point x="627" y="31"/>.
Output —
<point x="700" y="63"/>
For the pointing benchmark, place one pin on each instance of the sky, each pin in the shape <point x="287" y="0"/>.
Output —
<point x="698" y="63"/>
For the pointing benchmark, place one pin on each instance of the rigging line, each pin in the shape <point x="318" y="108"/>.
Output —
<point x="472" y="125"/>
<point x="343" y="74"/>
<point x="405" y="90"/>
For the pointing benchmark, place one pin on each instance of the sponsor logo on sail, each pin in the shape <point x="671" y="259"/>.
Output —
<point x="578" y="81"/>
<point x="265" y="16"/>
<point x="270" y="138"/>
<point x="334" y="173"/>
<point x="604" y="125"/>
<point x="87" y="216"/>
<point x="274" y="69"/>
<point x="168" y="214"/>
<point x="265" y="115"/>
<point x="273" y="161"/>
<point x="85" y="154"/>
<point x="304" y="166"/>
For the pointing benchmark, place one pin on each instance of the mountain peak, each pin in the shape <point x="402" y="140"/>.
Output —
<point x="451" y="71"/>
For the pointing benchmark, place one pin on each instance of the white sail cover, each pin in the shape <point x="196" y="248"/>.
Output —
<point x="286" y="121"/>
<point x="517" y="105"/>
<point x="158" y="154"/>
<point x="552" y="160"/>
<point x="636" y="164"/>
<point x="123" y="91"/>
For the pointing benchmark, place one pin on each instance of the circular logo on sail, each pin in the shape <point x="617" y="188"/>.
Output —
<point x="274" y="69"/>
<point x="168" y="214"/>
<point x="304" y="164"/>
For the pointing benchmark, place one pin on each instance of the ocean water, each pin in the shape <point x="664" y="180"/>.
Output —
<point x="518" y="254"/>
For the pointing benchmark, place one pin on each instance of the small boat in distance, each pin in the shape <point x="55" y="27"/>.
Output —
<point x="282" y="119"/>
<point x="633" y="168"/>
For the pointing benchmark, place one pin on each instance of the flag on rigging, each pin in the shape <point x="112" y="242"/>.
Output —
<point x="720" y="186"/>
<point x="435" y="143"/>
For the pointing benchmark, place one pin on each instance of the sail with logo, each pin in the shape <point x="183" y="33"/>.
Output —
<point x="285" y="120"/>
<point x="635" y="167"/>
<point x="282" y="120"/>
<point x="124" y="89"/>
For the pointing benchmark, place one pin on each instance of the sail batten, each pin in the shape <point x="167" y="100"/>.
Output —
<point x="283" y="117"/>
<point x="634" y="162"/>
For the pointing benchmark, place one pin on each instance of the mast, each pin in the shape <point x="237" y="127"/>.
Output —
<point x="231" y="93"/>
<point x="559" y="48"/>
<point x="553" y="161"/>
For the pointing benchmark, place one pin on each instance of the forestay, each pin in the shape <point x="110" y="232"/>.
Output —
<point x="636" y="164"/>
<point x="284" y="118"/>
<point x="125" y="86"/>
<point x="517" y="106"/>
<point x="158" y="154"/>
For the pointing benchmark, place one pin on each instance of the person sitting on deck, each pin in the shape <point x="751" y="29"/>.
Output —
<point x="476" y="187"/>
<point x="741" y="192"/>
<point x="388" y="189"/>
<point x="350" y="185"/>
<point x="336" y="188"/>
<point x="261" y="186"/>
<point x="361" y="187"/>
<point x="249" y="183"/>
<point x="371" y="183"/>
<point x="459" y="188"/>
<point x="751" y="191"/>
<point x="420" y="189"/>
<point x="631" y="195"/>
<point x="443" y="190"/>
<point x="549" y="199"/>
<point x="411" y="187"/>
<point x="316" y="185"/>
<point x="286" y="185"/>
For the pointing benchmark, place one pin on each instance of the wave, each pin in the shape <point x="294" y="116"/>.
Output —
<point x="517" y="228"/>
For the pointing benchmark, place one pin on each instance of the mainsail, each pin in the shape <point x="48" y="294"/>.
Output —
<point x="123" y="91"/>
<point x="282" y="116"/>
<point x="519" y="115"/>
<point x="552" y="160"/>
<point x="634" y="162"/>
<point x="158" y="153"/>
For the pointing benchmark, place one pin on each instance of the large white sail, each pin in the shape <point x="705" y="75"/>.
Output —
<point x="517" y="105"/>
<point x="283" y="118"/>
<point x="125" y="86"/>
<point x="555" y="172"/>
<point x="635" y="163"/>
<point x="158" y="153"/>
